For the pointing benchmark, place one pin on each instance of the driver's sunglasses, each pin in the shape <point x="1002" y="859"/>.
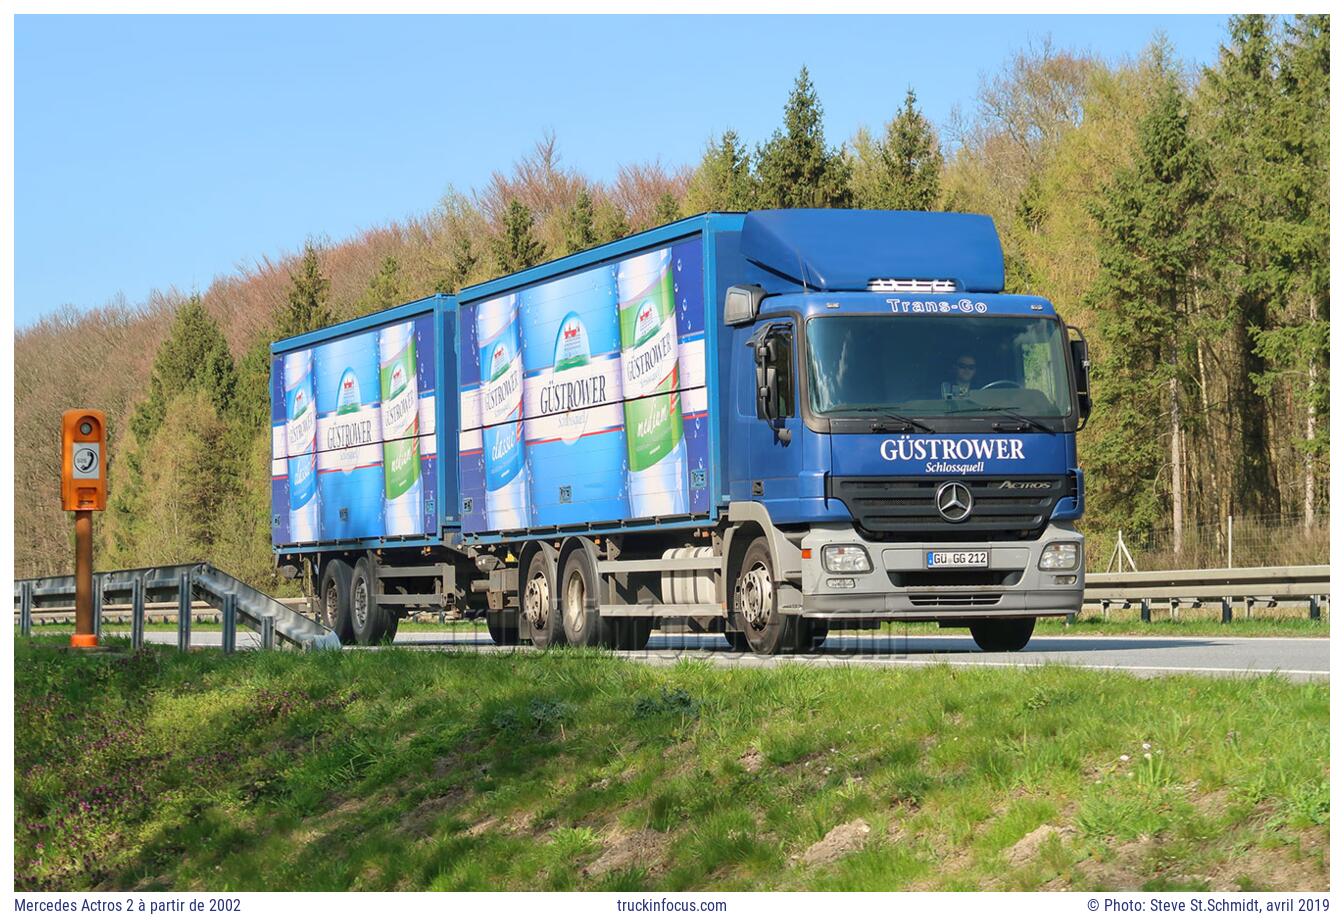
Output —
<point x="966" y="367"/>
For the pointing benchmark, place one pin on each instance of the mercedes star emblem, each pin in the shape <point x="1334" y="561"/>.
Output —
<point x="953" y="501"/>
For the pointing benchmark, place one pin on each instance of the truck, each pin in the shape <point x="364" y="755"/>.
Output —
<point x="766" y="425"/>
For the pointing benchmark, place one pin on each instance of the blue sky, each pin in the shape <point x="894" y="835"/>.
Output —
<point x="159" y="151"/>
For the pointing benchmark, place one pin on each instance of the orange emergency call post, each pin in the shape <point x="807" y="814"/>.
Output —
<point x="83" y="491"/>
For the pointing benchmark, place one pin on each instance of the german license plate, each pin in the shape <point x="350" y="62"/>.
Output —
<point x="972" y="560"/>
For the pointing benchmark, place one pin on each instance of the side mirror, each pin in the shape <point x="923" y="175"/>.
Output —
<point x="767" y="387"/>
<point x="1081" y="375"/>
<point x="742" y="303"/>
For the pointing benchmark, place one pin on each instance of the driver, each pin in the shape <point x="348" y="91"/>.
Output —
<point x="963" y="373"/>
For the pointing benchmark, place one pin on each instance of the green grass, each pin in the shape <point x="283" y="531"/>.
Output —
<point x="406" y="770"/>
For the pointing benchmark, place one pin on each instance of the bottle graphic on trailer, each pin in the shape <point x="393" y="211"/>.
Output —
<point x="653" y="424"/>
<point x="400" y="390"/>
<point x="506" y="498"/>
<point x="301" y="439"/>
<point x="574" y="433"/>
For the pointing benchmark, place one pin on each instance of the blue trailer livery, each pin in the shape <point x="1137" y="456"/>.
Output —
<point x="760" y="424"/>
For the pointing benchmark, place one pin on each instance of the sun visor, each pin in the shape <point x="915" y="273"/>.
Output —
<point x="843" y="250"/>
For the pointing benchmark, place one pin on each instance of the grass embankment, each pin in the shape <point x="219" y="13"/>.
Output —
<point x="575" y="770"/>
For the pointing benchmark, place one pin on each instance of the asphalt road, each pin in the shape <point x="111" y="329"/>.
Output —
<point x="1294" y="659"/>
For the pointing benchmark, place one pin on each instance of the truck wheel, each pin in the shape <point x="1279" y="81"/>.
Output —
<point x="539" y="605"/>
<point x="369" y="620"/>
<point x="503" y="627"/>
<point x="583" y="624"/>
<point x="814" y="634"/>
<point x="334" y="597"/>
<point x="737" y="641"/>
<point x="757" y="601"/>
<point x="1003" y="635"/>
<point x="630" y="634"/>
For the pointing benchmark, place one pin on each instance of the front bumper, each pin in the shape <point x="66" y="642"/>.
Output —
<point x="900" y="587"/>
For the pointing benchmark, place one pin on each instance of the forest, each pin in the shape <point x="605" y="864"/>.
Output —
<point x="1179" y="217"/>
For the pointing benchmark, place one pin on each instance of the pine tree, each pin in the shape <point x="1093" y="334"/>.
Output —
<point x="610" y="223"/>
<point x="1152" y="237"/>
<point x="910" y="163"/>
<point x="580" y="223"/>
<point x="193" y="363"/>
<point x="517" y="246"/>
<point x="195" y="356"/>
<point x="723" y="180"/>
<point x="1239" y="98"/>
<point x="186" y="481"/>
<point x="384" y="290"/>
<point x="795" y="167"/>
<point x="1294" y="343"/>
<point x="306" y="306"/>
<point x="462" y="264"/>
<point x="667" y="210"/>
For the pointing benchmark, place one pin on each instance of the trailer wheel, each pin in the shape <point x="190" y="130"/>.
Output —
<point x="539" y="605"/>
<point x="756" y="600"/>
<point x="369" y="620"/>
<point x="334" y="598"/>
<point x="503" y="626"/>
<point x="1003" y="635"/>
<point x="583" y="624"/>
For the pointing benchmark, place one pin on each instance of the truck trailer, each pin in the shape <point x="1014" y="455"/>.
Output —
<point x="765" y="425"/>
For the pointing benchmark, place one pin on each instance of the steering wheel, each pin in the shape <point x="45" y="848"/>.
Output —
<point x="999" y="383"/>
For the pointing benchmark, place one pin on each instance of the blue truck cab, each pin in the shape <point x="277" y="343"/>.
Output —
<point x="765" y="425"/>
<point x="903" y="424"/>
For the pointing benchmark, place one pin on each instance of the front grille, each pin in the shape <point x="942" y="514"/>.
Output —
<point x="943" y="578"/>
<point x="954" y="600"/>
<point x="898" y="510"/>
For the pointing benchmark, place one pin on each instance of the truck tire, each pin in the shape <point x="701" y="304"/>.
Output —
<point x="756" y="599"/>
<point x="503" y="627"/>
<point x="630" y="634"/>
<point x="1003" y="635"/>
<point x="579" y="616"/>
<point x="538" y="600"/>
<point x="737" y="641"/>
<point x="814" y="634"/>
<point x="370" y="621"/>
<point x="334" y="596"/>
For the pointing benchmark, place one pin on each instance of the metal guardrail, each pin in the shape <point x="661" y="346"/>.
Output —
<point x="163" y="588"/>
<point x="1267" y="585"/>
<point x="184" y="584"/>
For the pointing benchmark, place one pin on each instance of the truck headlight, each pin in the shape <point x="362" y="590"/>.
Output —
<point x="1059" y="556"/>
<point x="846" y="557"/>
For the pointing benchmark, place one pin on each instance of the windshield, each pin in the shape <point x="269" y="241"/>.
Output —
<point x="929" y="366"/>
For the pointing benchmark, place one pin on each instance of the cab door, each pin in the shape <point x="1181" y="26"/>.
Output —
<point x="773" y="428"/>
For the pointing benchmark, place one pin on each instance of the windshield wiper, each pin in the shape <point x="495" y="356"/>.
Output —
<point x="1026" y="420"/>
<point x="907" y="423"/>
